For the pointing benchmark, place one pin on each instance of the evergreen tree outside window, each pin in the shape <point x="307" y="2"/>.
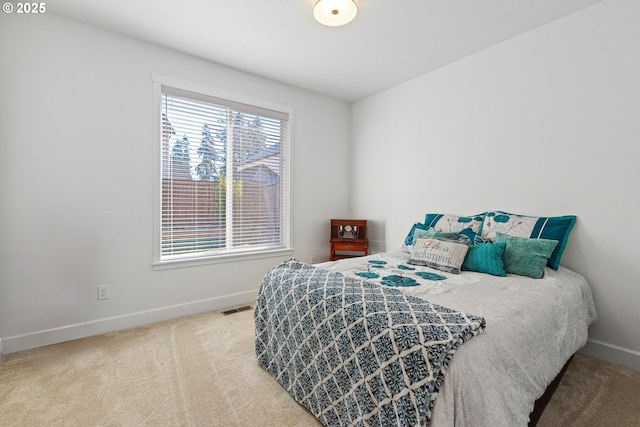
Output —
<point x="208" y="168"/>
<point x="224" y="181"/>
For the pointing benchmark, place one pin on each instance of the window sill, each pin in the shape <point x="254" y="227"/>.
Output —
<point x="220" y="259"/>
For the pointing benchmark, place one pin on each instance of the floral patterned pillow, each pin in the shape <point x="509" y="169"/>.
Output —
<point x="453" y="223"/>
<point x="551" y="228"/>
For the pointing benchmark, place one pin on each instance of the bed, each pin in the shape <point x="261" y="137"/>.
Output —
<point x="466" y="325"/>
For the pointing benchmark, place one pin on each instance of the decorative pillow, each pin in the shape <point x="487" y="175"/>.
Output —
<point x="441" y="254"/>
<point x="421" y="230"/>
<point x="446" y="222"/>
<point x="524" y="256"/>
<point x="437" y="234"/>
<point x="408" y="241"/>
<point x="485" y="258"/>
<point x="472" y="237"/>
<point x="551" y="228"/>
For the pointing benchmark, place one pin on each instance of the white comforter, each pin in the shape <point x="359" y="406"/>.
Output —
<point x="533" y="327"/>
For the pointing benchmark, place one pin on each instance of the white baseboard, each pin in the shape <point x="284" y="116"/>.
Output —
<point x="595" y="348"/>
<point x="100" y="326"/>
<point x="612" y="353"/>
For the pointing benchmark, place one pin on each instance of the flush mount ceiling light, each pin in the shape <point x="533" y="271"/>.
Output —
<point x="334" y="13"/>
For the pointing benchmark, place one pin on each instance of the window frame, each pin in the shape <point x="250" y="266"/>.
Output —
<point x="159" y="81"/>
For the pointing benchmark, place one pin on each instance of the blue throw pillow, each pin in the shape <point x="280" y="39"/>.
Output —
<point x="524" y="256"/>
<point x="485" y="258"/>
<point x="408" y="241"/>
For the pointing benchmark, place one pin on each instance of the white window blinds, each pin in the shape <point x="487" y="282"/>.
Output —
<point x="223" y="180"/>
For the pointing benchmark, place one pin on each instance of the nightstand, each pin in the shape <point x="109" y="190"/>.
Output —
<point x="348" y="238"/>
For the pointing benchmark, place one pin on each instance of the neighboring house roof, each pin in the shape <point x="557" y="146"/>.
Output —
<point x="259" y="173"/>
<point x="269" y="151"/>
<point x="269" y="158"/>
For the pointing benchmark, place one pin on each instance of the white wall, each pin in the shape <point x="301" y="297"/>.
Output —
<point x="76" y="135"/>
<point x="547" y="124"/>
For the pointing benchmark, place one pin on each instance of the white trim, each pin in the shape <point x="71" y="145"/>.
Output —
<point x="96" y="327"/>
<point x="164" y="80"/>
<point x="287" y="184"/>
<point x="157" y="170"/>
<point x="612" y="353"/>
<point x="160" y="80"/>
<point x="216" y="259"/>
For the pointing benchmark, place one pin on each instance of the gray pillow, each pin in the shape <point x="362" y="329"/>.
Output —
<point x="441" y="254"/>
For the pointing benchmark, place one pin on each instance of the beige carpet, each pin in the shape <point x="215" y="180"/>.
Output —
<point x="201" y="371"/>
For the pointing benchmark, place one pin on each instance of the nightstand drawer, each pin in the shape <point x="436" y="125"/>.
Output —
<point x="349" y="246"/>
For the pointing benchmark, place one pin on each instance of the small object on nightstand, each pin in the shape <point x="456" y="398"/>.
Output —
<point x="348" y="238"/>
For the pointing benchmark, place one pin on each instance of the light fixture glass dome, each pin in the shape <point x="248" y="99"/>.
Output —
<point x="334" y="13"/>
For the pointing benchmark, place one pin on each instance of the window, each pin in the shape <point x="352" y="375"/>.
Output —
<point x="222" y="181"/>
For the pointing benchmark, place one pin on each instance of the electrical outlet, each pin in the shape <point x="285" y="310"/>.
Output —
<point x="103" y="292"/>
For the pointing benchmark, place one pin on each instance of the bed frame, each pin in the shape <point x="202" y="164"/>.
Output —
<point x="542" y="402"/>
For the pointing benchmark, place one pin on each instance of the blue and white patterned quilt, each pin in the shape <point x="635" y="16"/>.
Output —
<point x="352" y="352"/>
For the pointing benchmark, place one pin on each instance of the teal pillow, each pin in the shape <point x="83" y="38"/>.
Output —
<point x="424" y="230"/>
<point x="524" y="256"/>
<point x="485" y="258"/>
<point x="543" y="227"/>
<point x="436" y="234"/>
<point x="408" y="241"/>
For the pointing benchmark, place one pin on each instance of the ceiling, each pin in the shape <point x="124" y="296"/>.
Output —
<point x="389" y="42"/>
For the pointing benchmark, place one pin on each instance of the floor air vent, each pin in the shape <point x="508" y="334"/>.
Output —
<point x="237" y="309"/>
